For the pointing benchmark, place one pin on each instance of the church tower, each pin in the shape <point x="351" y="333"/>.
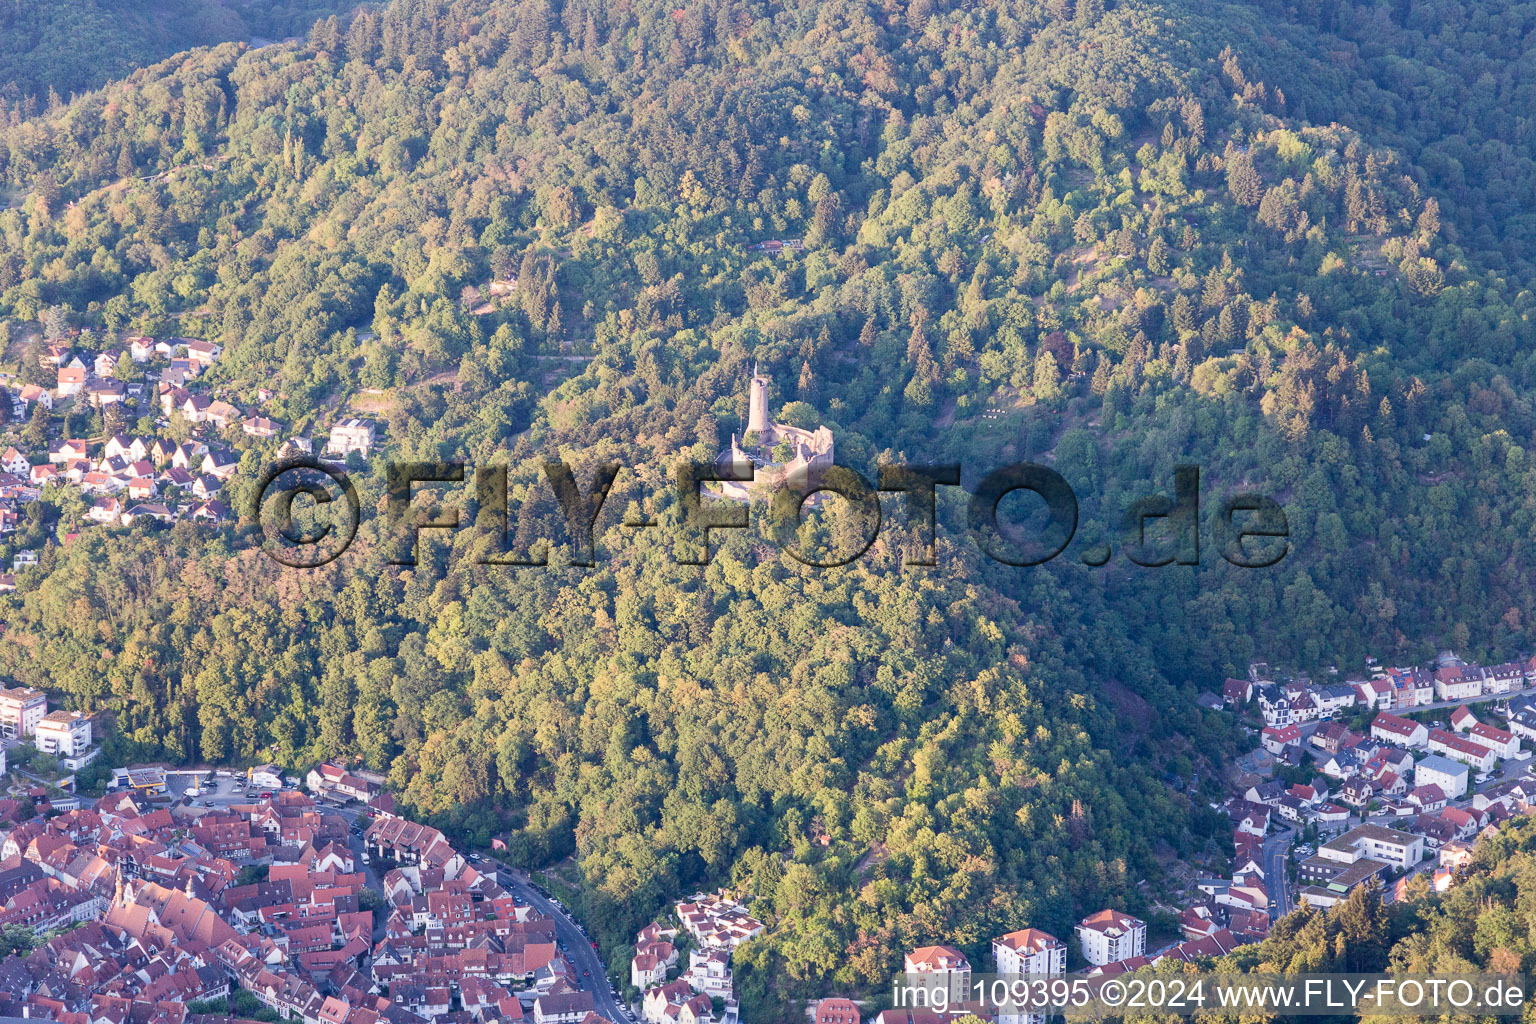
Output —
<point x="757" y="410"/>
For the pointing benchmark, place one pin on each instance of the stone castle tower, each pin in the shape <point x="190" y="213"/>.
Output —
<point x="810" y="450"/>
<point x="757" y="410"/>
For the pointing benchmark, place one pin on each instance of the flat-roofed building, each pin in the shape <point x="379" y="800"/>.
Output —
<point x="21" y="709"/>
<point x="64" y="733"/>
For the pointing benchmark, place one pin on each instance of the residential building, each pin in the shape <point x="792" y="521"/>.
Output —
<point x="836" y="1010"/>
<point x="1411" y="687"/>
<point x="71" y="381"/>
<point x="1464" y="750"/>
<point x="709" y="972"/>
<point x="221" y="414"/>
<point x="21" y="709"/>
<point x="1505" y="678"/>
<point x="260" y="426"/>
<point x="204" y="353"/>
<point x="1110" y="936"/>
<point x="1455" y="682"/>
<point x="716" y="922"/>
<point x="1390" y="728"/>
<point x="66" y="450"/>
<point x="1503" y="744"/>
<point x="352" y="435"/>
<point x="1449" y="776"/>
<point x="1274" y="705"/>
<point x="1333" y="698"/>
<point x="64" y="733"/>
<point x="1523" y="723"/>
<point x="941" y="966"/>
<point x="565" y="1008"/>
<point x="1028" y="951"/>
<point x="675" y="1003"/>
<point x="266" y="776"/>
<point x="1277" y="738"/>
<point x="648" y="966"/>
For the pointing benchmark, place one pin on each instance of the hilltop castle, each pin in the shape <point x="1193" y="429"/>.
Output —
<point x="763" y="447"/>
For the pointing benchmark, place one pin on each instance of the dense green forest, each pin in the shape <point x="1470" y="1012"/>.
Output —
<point x="1115" y="238"/>
<point x="63" y="47"/>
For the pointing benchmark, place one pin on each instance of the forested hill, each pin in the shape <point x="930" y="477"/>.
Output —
<point x="56" y="49"/>
<point x="1115" y="239"/>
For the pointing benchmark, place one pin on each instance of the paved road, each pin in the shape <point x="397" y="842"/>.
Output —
<point x="1276" y="848"/>
<point x="591" y="974"/>
<point x="1467" y="701"/>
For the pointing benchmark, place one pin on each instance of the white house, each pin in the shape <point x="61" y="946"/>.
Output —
<point x="71" y="381"/>
<point x="1456" y="682"/>
<point x="351" y="435"/>
<point x="204" y="353"/>
<point x="562" y="1008"/>
<point x="66" y="450"/>
<point x="266" y="776"/>
<point x="1523" y="724"/>
<point x="1029" y="951"/>
<point x="21" y="708"/>
<point x="1505" y="678"/>
<point x="1460" y="749"/>
<point x="675" y="1003"/>
<point x="1277" y="738"/>
<point x="1450" y="776"/>
<point x="1395" y="729"/>
<point x="648" y="967"/>
<point x="131" y="449"/>
<point x="65" y="734"/>
<point x="1334" y="698"/>
<point x="709" y="972"/>
<point x="1400" y="849"/>
<point x="1503" y="744"/>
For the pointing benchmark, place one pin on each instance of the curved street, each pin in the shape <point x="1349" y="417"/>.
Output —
<point x="591" y="974"/>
